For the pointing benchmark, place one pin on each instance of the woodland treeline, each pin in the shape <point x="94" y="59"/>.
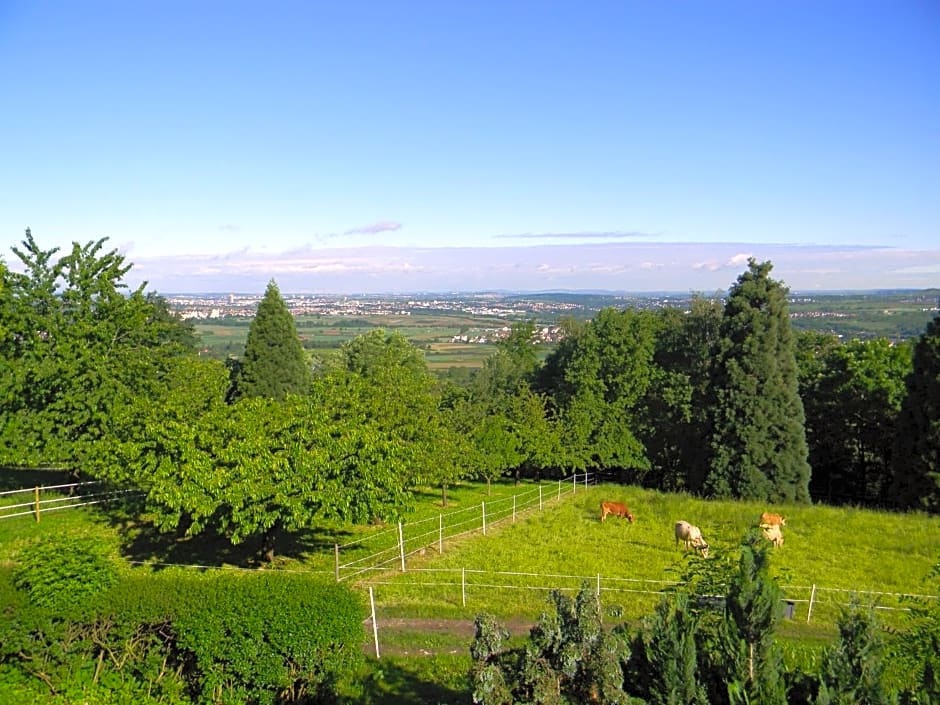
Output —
<point x="722" y="400"/>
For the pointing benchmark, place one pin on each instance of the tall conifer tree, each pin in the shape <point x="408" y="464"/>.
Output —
<point x="758" y="443"/>
<point x="917" y="450"/>
<point x="274" y="364"/>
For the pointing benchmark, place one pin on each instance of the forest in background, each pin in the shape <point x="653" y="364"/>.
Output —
<point x="722" y="400"/>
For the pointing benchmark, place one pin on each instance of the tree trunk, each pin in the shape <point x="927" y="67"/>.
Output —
<point x="268" y="541"/>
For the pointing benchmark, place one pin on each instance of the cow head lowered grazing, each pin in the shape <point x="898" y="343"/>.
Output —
<point x="617" y="509"/>
<point x="692" y="537"/>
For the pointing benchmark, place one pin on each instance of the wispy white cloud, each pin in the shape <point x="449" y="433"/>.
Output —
<point x="739" y="260"/>
<point x="613" y="266"/>
<point x="383" y="226"/>
<point x="584" y="235"/>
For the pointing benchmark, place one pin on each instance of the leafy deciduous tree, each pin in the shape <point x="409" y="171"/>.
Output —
<point x="78" y="348"/>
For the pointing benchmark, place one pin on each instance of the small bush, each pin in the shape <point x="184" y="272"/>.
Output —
<point x="64" y="572"/>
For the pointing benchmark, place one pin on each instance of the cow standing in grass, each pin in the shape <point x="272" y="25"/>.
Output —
<point x="773" y="534"/>
<point x="617" y="509"/>
<point x="691" y="535"/>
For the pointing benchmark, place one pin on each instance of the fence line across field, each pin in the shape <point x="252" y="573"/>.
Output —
<point x="471" y="579"/>
<point x="487" y="513"/>
<point x="38" y="505"/>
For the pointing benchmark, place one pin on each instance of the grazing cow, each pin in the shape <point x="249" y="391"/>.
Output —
<point x="773" y="534"/>
<point x="768" y="519"/>
<point x="617" y="509"/>
<point x="692" y="536"/>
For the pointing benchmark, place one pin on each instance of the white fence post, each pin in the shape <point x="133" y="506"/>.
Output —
<point x="514" y="509"/>
<point x="574" y="483"/>
<point x="559" y="489"/>
<point x="483" y="507"/>
<point x="463" y="586"/>
<point x="812" y="596"/>
<point x="540" y="498"/>
<point x="375" y="626"/>
<point x="401" y="547"/>
<point x="336" y="559"/>
<point x="440" y="534"/>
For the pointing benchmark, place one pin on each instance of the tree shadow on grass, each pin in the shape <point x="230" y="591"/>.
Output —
<point x="15" y="478"/>
<point x="395" y="682"/>
<point x="143" y="542"/>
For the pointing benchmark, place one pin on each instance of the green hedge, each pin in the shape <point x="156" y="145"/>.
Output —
<point x="175" y="637"/>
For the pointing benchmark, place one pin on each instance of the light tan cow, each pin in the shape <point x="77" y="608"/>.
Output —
<point x="768" y="519"/>
<point x="692" y="536"/>
<point x="773" y="534"/>
<point x="617" y="509"/>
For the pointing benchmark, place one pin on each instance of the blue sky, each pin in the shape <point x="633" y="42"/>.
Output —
<point x="405" y="146"/>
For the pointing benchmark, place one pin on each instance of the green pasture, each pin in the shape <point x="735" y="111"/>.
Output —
<point x="840" y="550"/>
<point x="553" y="540"/>
<point x="543" y="536"/>
<point x="433" y="333"/>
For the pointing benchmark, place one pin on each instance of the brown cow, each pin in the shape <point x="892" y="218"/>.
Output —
<point x="617" y="509"/>
<point x="768" y="519"/>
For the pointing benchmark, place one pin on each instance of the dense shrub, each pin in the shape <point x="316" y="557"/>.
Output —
<point x="181" y="638"/>
<point x="270" y="637"/>
<point x="570" y="657"/>
<point x="63" y="573"/>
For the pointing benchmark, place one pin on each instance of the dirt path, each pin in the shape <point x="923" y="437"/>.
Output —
<point x="393" y="629"/>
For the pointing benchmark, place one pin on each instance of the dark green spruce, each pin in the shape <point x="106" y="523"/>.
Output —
<point x="917" y="446"/>
<point x="758" y="443"/>
<point x="274" y="364"/>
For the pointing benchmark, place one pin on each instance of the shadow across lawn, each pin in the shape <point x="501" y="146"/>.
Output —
<point x="395" y="681"/>
<point x="142" y="542"/>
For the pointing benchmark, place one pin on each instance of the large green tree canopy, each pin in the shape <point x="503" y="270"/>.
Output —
<point x="597" y="378"/>
<point x="77" y="346"/>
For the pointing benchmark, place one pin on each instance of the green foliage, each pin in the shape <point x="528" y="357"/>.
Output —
<point x="271" y="637"/>
<point x="667" y="660"/>
<point x="597" y="378"/>
<point x="61" y="573"/>
<point x="79" y="348"/>
<point x="914" y="649"/>
<point x="569" y="658"/>
<point x="674" y="423"/>
<point x="852" y="403"/>
<point x="179" y="638"/>
<point x="917" y="451"/>
<point x="854" y="668"/>
<point x="740" y="660"/>
<point x="274" y="364"/>
<point x="758" y="443"/>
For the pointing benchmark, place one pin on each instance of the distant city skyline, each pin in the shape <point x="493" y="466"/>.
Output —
<point x="622" y="145"/>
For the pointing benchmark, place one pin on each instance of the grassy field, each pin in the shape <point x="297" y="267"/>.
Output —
<point x="424" y="612"/>
<point x="321" y="335"/>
